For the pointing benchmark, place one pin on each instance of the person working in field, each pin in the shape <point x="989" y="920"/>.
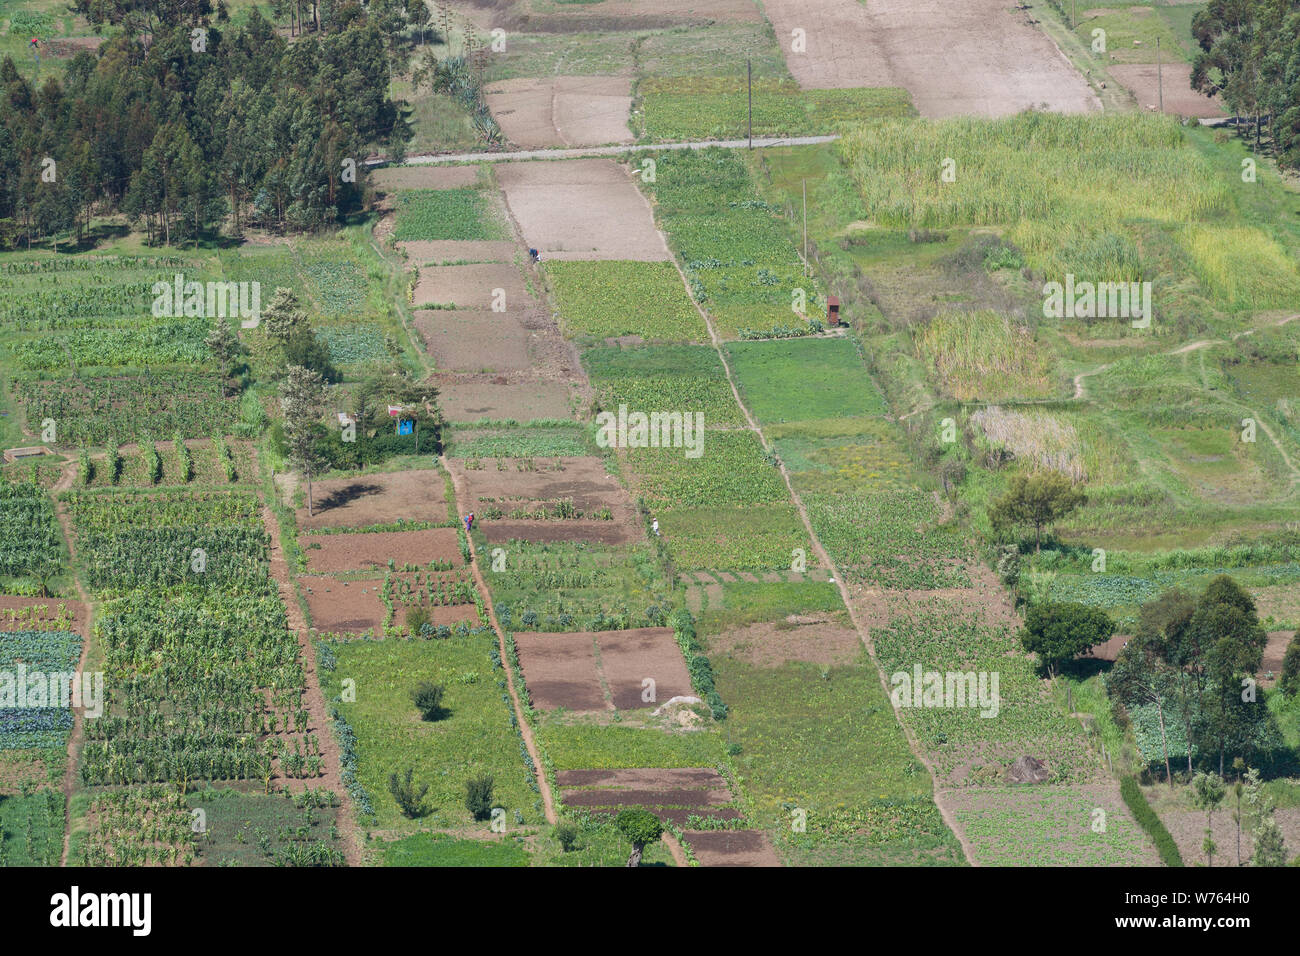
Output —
<point x="469" y="522"/>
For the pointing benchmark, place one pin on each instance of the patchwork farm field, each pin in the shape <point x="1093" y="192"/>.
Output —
<point x="345" y="516"/>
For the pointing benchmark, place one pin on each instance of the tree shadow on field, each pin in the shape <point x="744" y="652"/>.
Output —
<point x="344" y="496"/>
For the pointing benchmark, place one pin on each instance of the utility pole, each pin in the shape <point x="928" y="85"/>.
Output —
<point x="805" y="227"/>
<point x="1160" y="76"/>
<point x="749" y="84"/>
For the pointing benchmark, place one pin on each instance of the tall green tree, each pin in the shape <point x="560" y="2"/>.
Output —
<point x="226" y="349"/>
<point x="1227" y="627"/>
<point x="1059" y="631"/>
<point x="1164" y="625"/>
<point x="1036" y="501"/>
<point x="1141" y="675"/>
<point x="303" y="402"/>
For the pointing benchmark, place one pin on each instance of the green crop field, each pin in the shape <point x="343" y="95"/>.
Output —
<point x="804" y="379"/>
<point x="684" y="378"/>
<point x="690" y="108"/>
<point x="604" y="299"/>
<point x="446" y="214"/>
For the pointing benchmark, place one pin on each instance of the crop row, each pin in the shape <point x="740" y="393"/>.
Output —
<point x="94" y="410"/>
<point x="29" y="536"/>
<point x="172" y="342"/>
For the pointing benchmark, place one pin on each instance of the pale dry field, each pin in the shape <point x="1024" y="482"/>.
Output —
<point x="536" y="112"/>
<point x="581" y="209"/>
<point x="956" y="57"/>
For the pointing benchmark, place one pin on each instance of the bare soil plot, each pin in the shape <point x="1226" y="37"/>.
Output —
<point x="677" y="778"/>
<point x="376" y="499"/>
<point x="525" y="482"/>
<point x="46" y="612"/>
<point x="425" y="177"/>
<point x="673" y="795"/>
<point x="1108" y="651"/>
<point x="344" y="606"/>
<point x="528" y="487"/>
<point x="361" y="552"/>
<point x="1141" y="80"/>
<point x="956" y="57"/>
<point x="473" y="340"/>
<point x="565" y="670"/>
<point x="560" y="671"/>
<point x="646" y="798"/>
<point x="475" y="400"/>
<point x="358" y="607"/>
<point x="814" y="638"/>
<point x="563" y="110"/>
<point x="731" y="847"/>
<point x="422" y="252"/>
<point x="473" y="287"/>
<point x="1274" y="650"/>
<point x="628" y="658"/>
<point x="581" y="209"/>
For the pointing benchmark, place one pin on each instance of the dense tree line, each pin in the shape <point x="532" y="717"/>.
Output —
<point x="1250" y="54"/>
<point x="196" y="124"/>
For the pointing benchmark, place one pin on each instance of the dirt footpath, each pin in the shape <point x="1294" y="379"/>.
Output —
<point x="956" y="57"/>
<point x="563" y="110"/>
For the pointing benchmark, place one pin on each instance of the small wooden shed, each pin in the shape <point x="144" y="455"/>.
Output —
<point x="833" y="310"/>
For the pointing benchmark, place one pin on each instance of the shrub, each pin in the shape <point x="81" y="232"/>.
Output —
<point x="478" y="796"/>
<point x="567" y="835"/>
<point x="409" y="800"/>
<point x="699" y="666"/>
<point x="427" y="698"/>
<point x="1290" y="682"/>
<point x="416" y="618"/>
